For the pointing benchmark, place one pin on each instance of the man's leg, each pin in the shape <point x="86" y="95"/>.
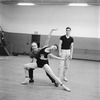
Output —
<point x="26" y="69"/>
<point x="52" y="80"/>
<point x="31" y="75"/>
<point x="66" y="66"/>
<point x="61" y="66"/>
<point x="60" y="70"/>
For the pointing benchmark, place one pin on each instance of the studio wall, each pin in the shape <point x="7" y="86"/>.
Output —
<point x="0" y="15"/>
<point x="27" y="21"/>
<point x="84" y="21"/>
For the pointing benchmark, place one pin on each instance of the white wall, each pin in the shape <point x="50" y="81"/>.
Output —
<point x="0" y="14"/>
<point x="84" y="21"/>
<point x="99" y="22"/>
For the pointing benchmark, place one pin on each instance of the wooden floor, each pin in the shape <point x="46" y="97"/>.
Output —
<point x="83" y="76"/>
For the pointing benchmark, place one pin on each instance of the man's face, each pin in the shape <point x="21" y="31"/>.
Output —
<point x="34" y="45"/>
<point x="68" y="32"/>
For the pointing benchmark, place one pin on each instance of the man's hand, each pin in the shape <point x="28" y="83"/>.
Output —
<point x="68" y="57"/>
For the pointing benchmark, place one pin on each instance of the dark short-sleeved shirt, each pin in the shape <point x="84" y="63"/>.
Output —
<point x="66" y="42"/>
<point x="34" y="54"/>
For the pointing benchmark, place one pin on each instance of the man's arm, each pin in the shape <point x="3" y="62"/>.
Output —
<point x="49" y="36"/>
<point x="32" y="56"/>
<point x="60" y="43"/>
<point x="71" y="50"/>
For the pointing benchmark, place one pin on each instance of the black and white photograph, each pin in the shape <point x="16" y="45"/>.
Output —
<point x="49" y="49"/>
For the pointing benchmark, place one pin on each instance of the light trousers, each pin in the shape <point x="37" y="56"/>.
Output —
<point x="64" y="65"/>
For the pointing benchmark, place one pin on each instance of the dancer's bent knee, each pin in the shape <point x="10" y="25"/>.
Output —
<point x="26" y="67"/>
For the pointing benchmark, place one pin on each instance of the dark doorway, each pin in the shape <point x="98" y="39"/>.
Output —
<point x="36" y="38"/>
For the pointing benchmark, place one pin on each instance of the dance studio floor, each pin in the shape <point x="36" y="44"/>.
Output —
<point x="83" y="76"/>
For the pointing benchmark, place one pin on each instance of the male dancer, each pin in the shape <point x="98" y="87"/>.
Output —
<point x="65" y="51"/>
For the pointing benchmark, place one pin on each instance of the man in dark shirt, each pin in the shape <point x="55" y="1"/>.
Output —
<point x="65" y="50"/>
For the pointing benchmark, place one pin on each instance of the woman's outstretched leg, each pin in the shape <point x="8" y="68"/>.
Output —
<point x="26" y="69"/>
<point x="48" y="70"/>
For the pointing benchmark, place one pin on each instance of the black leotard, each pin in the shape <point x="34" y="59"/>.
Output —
<point x="42" y="58"/>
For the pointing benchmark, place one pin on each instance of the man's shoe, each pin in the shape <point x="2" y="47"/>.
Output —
<point x="31" y="81"/>
<point x="56" y="84"/>
<point x="26" y="81"/>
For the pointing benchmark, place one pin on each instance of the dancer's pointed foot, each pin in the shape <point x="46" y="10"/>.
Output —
<point x="66" y="88"/>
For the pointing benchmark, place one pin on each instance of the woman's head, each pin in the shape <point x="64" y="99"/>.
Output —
<point x="34" y="45"/>
<point x="54" y="47"/>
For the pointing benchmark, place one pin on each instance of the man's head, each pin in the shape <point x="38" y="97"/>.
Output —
<point x="68" y="30"/>
<point x="34" y="45"/>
